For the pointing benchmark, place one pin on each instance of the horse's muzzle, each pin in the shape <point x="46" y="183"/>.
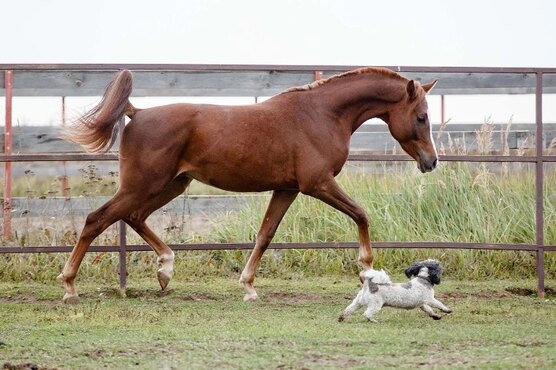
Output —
<point x="427" y="164"/>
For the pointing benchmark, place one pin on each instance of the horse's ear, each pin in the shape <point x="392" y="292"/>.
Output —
<point x="411" y="91"/>
<point x="428" y="87"/>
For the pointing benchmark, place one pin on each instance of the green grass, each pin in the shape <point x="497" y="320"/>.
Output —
<point x="455" y="203"/>
<point x="202" y="323"/>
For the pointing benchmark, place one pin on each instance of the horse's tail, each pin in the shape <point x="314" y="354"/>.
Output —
<point x="97" y="129"/>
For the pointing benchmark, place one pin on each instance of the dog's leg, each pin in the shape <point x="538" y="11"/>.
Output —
<point x="372" y="309"/>
<point x="354" y="306"/>
<point x="437" y="304"/>
<point x="430" y="312"/>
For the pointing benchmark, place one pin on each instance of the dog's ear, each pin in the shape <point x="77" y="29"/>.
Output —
<point x="413" y="270"/>
<point x="435" y="272"/>
<point x="434" y="276"/>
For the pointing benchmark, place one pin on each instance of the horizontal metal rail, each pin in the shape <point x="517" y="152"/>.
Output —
<point x="352" y="157"/>
<point x="264" y="67"/>
<point x="312" y="245"/>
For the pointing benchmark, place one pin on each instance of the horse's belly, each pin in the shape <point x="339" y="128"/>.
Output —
<point x="245" y="177"/>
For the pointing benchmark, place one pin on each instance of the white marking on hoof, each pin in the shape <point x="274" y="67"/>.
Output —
<point x="70" y="297"/>
<point x="166" y="270"/>
<point x="163" y="278"/>
<point x="250" y="292"/>
<point x="253" y="297"/>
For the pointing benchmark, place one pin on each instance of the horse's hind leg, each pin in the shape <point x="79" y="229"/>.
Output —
<point x="122" y="206"/>
<point x="165" y="254"/>
<point x="137" y="221"/>
<point x="279" y="204"/>
<point x="96" y="223"/>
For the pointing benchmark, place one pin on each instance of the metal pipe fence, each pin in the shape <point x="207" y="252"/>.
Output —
<point x="539" y="159"/>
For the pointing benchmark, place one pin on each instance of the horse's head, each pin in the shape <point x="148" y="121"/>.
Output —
<point x="409" y="125"/>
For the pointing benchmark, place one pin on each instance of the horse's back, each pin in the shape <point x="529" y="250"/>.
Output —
<point x="241" y="148"/>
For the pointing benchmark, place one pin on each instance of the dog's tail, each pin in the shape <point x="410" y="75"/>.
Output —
<point x="377" y="277"/>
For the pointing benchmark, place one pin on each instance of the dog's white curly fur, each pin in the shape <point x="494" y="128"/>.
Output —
<point x="377" y="276"/>
<point x="379" y="291"/>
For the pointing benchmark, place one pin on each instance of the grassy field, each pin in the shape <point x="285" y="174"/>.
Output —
<point x="203" y="324"/>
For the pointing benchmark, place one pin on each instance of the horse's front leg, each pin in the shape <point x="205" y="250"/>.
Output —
<point x="279" y="204"/>
<point x="330" y="192"/>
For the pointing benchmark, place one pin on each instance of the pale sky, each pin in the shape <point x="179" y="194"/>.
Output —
<point x="364" y="32"/>
<point x="506" y="33"/>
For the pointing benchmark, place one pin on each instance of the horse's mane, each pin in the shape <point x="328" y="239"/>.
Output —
<point x="365" y="70"/>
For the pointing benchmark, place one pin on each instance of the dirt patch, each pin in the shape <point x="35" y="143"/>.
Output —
<point x="130" y="293"/>
<point x="496" y="294"/>
<point x="520" y="291"/>
<point x="317" y="360"/>
<point x="485" y="294"/>
<point x="525" y="292"/>
<point x="25" y="366"/>
<point x="27" y="298"/>
<point x="107" y="293"/>
<point x="142" y="293"/>
<point x="197" y="297"/>
<point x="147" y="294"/>
<point x="294" y="298"/>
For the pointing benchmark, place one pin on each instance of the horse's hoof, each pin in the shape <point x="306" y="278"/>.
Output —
<point x="71" y="299"/>
<point x="163" y="278"/>
<point x="253" y="297"/>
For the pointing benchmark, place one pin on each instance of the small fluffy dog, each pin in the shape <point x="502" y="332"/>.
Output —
<point x="379" y="291"/>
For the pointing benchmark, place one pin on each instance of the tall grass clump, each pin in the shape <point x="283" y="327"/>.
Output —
<point x="457" y="203"/>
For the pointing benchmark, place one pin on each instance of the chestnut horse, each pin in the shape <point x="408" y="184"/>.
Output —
<point x="297" y="141"/>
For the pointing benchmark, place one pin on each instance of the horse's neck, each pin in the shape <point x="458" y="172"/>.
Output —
<point x="356" y="99"/>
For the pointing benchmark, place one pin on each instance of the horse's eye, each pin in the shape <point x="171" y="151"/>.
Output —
<point x="422" y="119"/>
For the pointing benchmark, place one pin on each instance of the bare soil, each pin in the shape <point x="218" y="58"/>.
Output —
<point x="25" y="366"/>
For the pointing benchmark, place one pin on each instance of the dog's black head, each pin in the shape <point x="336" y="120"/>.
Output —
<point x="429" y="269"/>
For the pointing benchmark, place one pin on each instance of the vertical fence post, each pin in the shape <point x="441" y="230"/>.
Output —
<point x="123" y="262"/>
<point x="64" y="179"/>
<point x="122" y="240"/>
<point x="442" y="111"/>
<point x="8" y="140"/>
<point x="539" y="183"/>
<point x="318" y="75"/>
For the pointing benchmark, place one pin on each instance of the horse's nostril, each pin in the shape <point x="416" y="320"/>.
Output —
<point x="434" y="163"/>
